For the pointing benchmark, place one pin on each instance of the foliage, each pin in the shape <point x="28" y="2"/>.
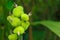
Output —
<point x="40" y="9"/>
<point x="52" y="25"/>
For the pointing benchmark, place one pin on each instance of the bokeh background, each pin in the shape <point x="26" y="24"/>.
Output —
<point x="40" y="10"/>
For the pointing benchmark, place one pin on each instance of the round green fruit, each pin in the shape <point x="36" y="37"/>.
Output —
<point x="14" y="21"/>
<point x="25" y="25"/>
<point x="18" y="11"/>
<point x="12" y="37"/>
<point x="25" y="17"/>
<point x="19" y="29"/>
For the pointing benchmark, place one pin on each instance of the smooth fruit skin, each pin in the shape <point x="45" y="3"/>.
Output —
<point x="25" y="17"/>
<point x="19" y="29"/>
<point x="14" y="21"/>
<point x="12" y="37"/>
<point x="18" y="11"/>
<point x="25" y="25"/>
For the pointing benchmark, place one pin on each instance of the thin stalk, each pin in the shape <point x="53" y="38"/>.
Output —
<point x="20" y="37"/>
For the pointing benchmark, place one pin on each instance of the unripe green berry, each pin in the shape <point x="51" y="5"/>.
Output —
<point x="25" y="17"/>
<point x="19" y="29"/>
<point x="12" y="37"/>
<point x="25" y="25"/>
<point x="14" y="21"/>
<point x="18" y="11"/>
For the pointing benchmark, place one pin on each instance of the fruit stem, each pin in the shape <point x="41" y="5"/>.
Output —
<point x="9" y="12"/>
<point x="29" y="14"/>
<point x="15" y="4"/>
<point x="20" y="36"/>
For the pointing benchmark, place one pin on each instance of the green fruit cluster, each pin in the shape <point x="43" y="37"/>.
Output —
<point x="19" y="21"/>
<point x="19" y="29"/>
<point x="12" y="37"/>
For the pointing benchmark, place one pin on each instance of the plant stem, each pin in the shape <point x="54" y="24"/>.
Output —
<point x="20" y="37"/>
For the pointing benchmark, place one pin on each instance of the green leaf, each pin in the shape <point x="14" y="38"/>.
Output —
<point x="52" y="25"/>
<point x="9" y="5"/>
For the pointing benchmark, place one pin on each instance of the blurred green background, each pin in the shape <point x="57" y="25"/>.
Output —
<point x="41" y="10"/>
